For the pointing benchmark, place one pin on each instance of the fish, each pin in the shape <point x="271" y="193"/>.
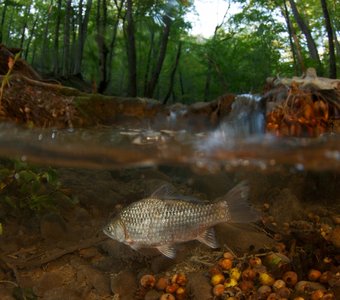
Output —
<point x="165" y="219"/>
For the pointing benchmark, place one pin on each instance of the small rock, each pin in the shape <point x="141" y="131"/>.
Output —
<point x="336" y="219"/>
<point x="6" y="293"/>
<point x="94" y="278"/>
<point x="199" y="286"/>
<point x="308" y="286"/>
<point x="124" y="284"/>
<point x="89" y="252"/>
<point x="81" y="215"/>
<point x="62" y="292"/>
<point x="48" y="282"/>
<point x="52" y="226"/>
<point x="335" y="237"/>
<point x="152" y="295"/>
<point x="100" y="282"/>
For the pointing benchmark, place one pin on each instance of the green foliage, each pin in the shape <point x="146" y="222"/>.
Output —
<point x="25" y="188"/>
<point x="247" y="48"/>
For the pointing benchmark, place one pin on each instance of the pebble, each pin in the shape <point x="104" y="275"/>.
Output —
<point x="335" y="236"/>
<point x="124" y="284"/>
<point x="303" y="286"/>
<point x="152" y="295"/>
<point x="199" y="286"/>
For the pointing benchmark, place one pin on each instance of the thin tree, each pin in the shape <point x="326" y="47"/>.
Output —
<point x="119" y="7"/>
<point x="30" y="36"/>
<point x="173" y="72"/>
<point x="3" y="17"/>
<point x="82" y="34"/>
<point x="131" y="50"/>
<point x="101" y="20"/>
<point x="210" y="60"/>
<point x="312" y="49"/>
<point x="331" y="48"/>
<point x="56" y="39"/>
<point x="150" y="88"/>
<point x="45" y="36"/>
<point x="24" y="27"/>
<point x="66" y="49"/>
<point x="148" y="59"/>
<point x="294" y="42"/>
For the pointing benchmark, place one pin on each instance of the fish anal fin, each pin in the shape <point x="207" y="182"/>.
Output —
<point x="167" y="250"/>
<point x="208" y="238"/>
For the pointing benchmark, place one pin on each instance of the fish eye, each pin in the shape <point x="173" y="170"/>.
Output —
<point x="109" y="228"/>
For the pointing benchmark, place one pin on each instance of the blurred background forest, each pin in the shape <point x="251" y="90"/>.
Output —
<point x="144" y="47"/>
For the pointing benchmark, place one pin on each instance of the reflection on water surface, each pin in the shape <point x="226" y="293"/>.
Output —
<point x="219" y="149"/>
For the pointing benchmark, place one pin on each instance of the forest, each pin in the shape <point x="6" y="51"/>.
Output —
<point x="144" y="47"/>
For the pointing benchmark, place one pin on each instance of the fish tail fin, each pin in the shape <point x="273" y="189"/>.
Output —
<point x="236" y="205"/>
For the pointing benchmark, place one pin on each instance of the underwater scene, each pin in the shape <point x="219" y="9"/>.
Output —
<point x="156" y="211"/>
<point x="169" y="150"/>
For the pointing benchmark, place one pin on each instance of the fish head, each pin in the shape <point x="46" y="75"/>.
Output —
<point x="115" y="230"/>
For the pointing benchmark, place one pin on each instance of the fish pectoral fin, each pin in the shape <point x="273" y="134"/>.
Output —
<point x="208" y="238"/>
<point x="134" y="246"/>
<point x="167" y="250"/>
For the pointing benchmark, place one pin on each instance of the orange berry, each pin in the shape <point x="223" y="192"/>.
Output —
<point x="314" y="275"/>
<point x="225" y="263"/>
<point x="172" y="288"/>
<point x="180" y="279"/>
<point x="218" y="289"/>
<point x="290" y="278"/>
<point x="167" y="296"/>
<point x="148" y="281"/>
<point x="162" y="283"/>
<point x="216" y="279"/>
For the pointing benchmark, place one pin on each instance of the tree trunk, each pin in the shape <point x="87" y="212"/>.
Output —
<point x="298" y="51"/>
<point x="103" y="50"/>
<point x="30" y="36"/>
<point x="332" y="61"/>
<point x="82" y="34"/>
<point x="181" y="83"/>
<point x="290" y="34"/>
<point x="148" y="60"/>
<point x="173" y="72"/>
<point x="24" y="27"/>
<point x="56" y="39"/>
<point x="2" y="22"/>
<point x="164" y="43"/>
<point x="209" y="69"/>
<point x="44" y="53"/>
<point x="66" y="51"/>
<point x="131" y="51"/>
<point x="9" y="26"/>
<point x="313" y="51"/>
<point x="113" y="38"/>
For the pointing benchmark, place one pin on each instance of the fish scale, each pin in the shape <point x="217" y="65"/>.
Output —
<point x="163" y="219"/>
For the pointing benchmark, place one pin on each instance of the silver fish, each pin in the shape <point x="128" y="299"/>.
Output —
<point x="164" y="219"/>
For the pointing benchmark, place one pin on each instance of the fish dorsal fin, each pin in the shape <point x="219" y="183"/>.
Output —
<point x="167" y="250"/>
<point x="165" y="191"/>
<point x="168" y="192"/>
<point x="208" y="238"/>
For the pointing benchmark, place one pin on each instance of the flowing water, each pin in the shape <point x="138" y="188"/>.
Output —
<point x="110" y="167"/>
